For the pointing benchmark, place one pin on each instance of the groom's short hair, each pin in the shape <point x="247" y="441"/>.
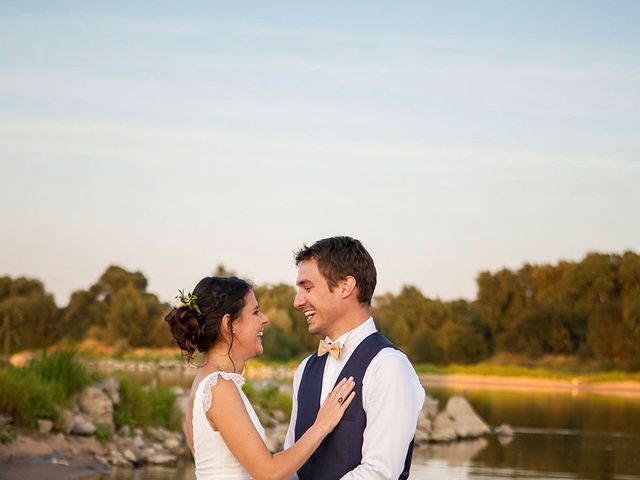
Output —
<point x="339" y="257"/>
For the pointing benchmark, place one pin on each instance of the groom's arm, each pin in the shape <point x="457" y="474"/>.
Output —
<point x="290" y="438"/>
<point x="392" y="400"/>
<point x="291" y="432"/>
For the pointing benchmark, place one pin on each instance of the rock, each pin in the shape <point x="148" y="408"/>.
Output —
<point x="138" y="442"/>
<point x="97" y="405"/>
<point x="65" y="421"/>
<point x="118" y="459"/>
<point x="286" y="389"/>
<point x="82" y="426"/>
<point x="88" y="445"/>
<point x="172" y="443"/>
<point x="159" y="433"/>
<point x="130" y="456"/>
<point x="505" y="434"/>
<point x="467" y="423"/>
<point x="182" y="404"/>
<point x="423" y="432"/>
<point x="275" y="437"/>
<point x="430" y="407"/>
<point x="111" y="387"/>
<point x="123" y="443"/>
<point x="279" y="416"/>
<point x="504" y="430"/>
<point x="124" y="431"/>
<point x="443" y="429"/>
<point x="44" y="426"/>
<point x="145" y="453"/>
<point x="162" y="459"/>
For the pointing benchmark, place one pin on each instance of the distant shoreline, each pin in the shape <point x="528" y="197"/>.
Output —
<point x="618" y="388"/>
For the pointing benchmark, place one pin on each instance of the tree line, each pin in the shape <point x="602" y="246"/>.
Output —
<point x="589" y="309"/>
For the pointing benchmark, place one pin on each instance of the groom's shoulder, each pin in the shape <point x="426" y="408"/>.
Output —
<point x="392" y="359"/>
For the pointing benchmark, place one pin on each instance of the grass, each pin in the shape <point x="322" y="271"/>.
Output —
<point x="39" y="388"/>
<point x="103" y="434"/>
<point x="269" y="399"/>
<point x="63" y="369"/>
<point x="145" y="407"/>
<point x="25" y="397"/>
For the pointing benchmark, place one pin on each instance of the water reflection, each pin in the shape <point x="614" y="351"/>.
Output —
<point x="557" y="435"/>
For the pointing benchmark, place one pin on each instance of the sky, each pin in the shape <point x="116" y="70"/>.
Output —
<point x="450" y="137"/>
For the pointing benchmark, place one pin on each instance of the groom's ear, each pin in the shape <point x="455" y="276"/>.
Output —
<point x="347" y="286"/>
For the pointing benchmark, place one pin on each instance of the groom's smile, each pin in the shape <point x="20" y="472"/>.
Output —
<point x="316" y="299"/>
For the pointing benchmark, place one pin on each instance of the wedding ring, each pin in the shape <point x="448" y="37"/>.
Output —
<point x="340" y="399"/>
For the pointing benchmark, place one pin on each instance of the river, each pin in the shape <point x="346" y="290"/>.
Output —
<point x="558" y="435"/>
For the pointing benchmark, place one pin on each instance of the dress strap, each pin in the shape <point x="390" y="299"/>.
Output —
<point x="211" y="381"/>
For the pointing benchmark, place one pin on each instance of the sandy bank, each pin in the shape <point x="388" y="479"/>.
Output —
<point x="627" y="388"/>
<point x="40" y="469"/>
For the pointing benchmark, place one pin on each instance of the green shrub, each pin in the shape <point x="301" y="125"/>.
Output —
<point x="144" y="407"/>
<point x="103" y="434"/>
<point x="62" y="368"/>
<point x="269" y="399"/>
<point x="26" y="397"/>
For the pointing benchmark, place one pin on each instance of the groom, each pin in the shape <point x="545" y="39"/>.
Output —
<point x="374" y="440"/>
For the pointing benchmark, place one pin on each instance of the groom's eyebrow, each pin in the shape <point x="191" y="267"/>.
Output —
<point x="303" y="283"/>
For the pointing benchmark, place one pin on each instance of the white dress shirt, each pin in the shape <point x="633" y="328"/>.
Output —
<point x="392" y="398"/>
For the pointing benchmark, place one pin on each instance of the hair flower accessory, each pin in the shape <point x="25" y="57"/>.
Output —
<point x="189" y="301"/>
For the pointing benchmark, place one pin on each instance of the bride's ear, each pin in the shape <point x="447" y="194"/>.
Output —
<point x="225" y="325"/>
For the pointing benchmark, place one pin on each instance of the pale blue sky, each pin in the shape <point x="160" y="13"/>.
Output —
<point x="450" y="137"/>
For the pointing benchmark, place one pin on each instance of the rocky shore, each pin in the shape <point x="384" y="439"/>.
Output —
<point x="84" y="440"/>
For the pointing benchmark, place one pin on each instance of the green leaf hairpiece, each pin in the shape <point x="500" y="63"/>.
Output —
<point x="189" y="301"/>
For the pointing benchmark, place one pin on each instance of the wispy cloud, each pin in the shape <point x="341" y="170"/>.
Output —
<point x="104" y="22"/>
<point x="348" y="37"/>
<point x="158" y="144"/>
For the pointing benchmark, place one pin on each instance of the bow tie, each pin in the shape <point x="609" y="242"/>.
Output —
<point x="332" y="347"/>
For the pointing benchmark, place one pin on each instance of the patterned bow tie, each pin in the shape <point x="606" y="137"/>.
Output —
<point x="332" y="347"/>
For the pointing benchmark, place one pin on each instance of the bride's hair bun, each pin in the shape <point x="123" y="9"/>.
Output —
<point x="185" y="329"/>
<point x="216" y="297"/>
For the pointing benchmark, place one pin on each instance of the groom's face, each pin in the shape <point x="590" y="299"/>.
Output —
<point x="319" y="304"/>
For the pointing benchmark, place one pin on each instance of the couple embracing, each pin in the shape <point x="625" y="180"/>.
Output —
<point x="355" y="402"/>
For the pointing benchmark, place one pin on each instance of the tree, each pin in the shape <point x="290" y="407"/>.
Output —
<point x="605" y="335"/>
<point x="287" y="335"/>
<point x="28" y="315"/>
<point x="221" y="271"/>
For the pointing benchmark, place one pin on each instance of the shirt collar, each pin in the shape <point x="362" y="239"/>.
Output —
<point x="352" y="338"/>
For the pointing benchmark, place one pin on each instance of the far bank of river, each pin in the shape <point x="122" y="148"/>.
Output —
<point x="618" y="388"/>
<point x="174" y="372"/>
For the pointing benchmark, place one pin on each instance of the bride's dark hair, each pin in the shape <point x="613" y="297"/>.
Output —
<point x="217" y="296"/>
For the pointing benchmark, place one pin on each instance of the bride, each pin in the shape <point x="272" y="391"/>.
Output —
<point x="222" y="319"/>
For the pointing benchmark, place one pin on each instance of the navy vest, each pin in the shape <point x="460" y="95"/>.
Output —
<point x="341" y="451"/>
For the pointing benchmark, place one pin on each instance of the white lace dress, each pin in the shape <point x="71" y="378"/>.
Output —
<point x="214" y="461"/>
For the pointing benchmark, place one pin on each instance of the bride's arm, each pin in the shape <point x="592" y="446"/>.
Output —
<point x="231" y="419"/>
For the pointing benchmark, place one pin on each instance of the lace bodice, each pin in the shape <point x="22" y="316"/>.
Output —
<point x="214" y="461"/>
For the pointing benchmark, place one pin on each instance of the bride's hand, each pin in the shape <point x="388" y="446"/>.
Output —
<point x="335" y="405"/>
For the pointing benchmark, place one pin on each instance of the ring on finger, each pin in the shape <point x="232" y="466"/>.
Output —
<point x="340" y="399"/>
